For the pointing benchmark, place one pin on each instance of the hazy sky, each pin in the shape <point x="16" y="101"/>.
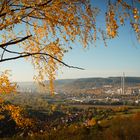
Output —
<point x="121" y="55"/>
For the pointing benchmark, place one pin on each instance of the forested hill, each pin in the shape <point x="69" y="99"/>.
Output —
<point x="96" y="82"/>
<point x="82" y="83"/>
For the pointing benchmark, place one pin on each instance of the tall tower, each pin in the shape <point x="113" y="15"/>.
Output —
<point x="123" y="84"/>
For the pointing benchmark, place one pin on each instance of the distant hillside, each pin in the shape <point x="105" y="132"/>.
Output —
<point x="71" y="85"/>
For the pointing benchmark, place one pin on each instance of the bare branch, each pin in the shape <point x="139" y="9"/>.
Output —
<point x="13" y="52"/>
<point x="26" y="54"/>
<point x="3" y="53"/>
<point x="11" y="42"/>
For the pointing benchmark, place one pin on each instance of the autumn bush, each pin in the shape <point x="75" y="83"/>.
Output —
<point x="119" y="128"/>
<point x="13" y="120"/>
<point x="124" y="128"/>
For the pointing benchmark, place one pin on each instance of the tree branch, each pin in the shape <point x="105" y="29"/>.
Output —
<point x="3" y="53"/>
<point x="13" y="52"/>
<point x="26" y="54"/>
<point x="11" y="42"/>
